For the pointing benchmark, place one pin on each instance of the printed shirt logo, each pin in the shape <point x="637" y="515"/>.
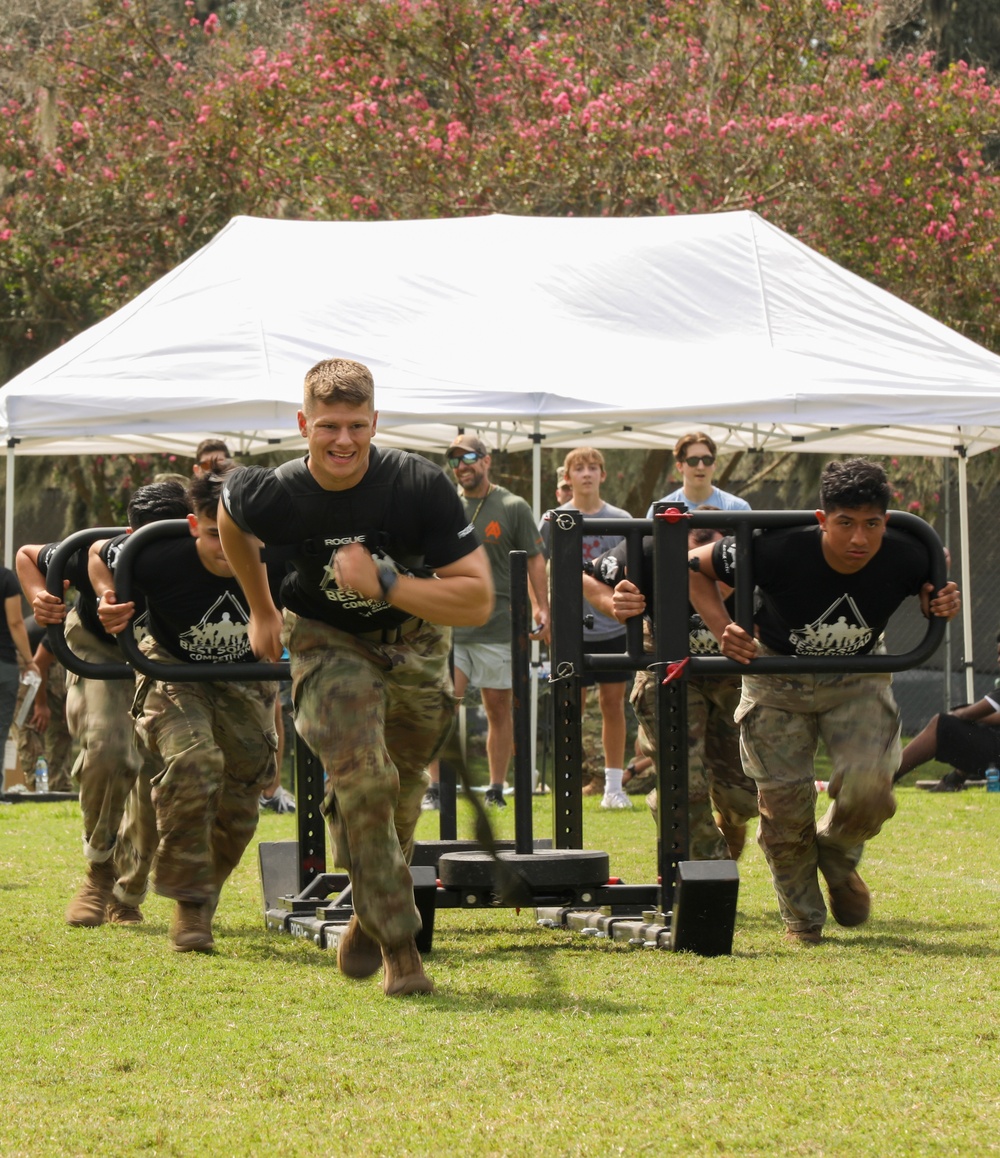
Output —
<point x="592" y="547"/>
<point x="700" y="640"/>
<point x="493" y="530"/>
<point x="841" y="629"/>
<point x="348" y="600"/>
<point x="140" y="626"/>
<point x="221" y="634"/>
<point x="609" y="570"/>
<point x="114" y="550"/>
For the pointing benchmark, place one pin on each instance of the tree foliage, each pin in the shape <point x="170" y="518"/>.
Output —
<point x="132" y="130"/>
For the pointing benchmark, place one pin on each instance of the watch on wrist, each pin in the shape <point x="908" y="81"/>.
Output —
<point x="387" y="576"/>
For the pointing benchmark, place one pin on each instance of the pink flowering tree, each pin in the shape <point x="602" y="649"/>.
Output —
<point x="127" y="143"/>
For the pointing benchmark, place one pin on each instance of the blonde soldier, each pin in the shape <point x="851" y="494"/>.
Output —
<point x="382" y="553"/>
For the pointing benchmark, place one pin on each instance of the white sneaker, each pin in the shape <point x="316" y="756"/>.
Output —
<point x="615" y="800"/>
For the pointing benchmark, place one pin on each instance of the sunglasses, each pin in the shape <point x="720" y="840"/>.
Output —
<point x="470" y="456"/>
<point x="704" y="459"/>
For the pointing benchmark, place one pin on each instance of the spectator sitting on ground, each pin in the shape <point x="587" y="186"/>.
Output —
<point x="967" y="737"/>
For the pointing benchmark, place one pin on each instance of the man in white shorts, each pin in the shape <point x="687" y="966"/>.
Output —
<point x="502" y="523"/>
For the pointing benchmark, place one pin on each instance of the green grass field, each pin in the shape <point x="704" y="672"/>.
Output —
<point x="884" y="1040"/>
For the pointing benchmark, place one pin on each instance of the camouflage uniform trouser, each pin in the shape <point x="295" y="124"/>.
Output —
<point x="97" y="713"/>
<point x="781" y="720"/>
<point x="715" y="774"/>
<point x="217" y="745"/>
<point x="375" y="715"/>
<point x="55" y="743"/>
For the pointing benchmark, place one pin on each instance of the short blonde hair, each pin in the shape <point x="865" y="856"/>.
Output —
<point x="582" y="456"/>
<point x="339" y="380"/>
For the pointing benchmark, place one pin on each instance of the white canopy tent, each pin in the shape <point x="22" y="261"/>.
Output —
<point x="621" y="332"/>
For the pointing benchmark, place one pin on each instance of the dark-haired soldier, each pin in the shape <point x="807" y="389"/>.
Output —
<point x="97" y="711"/>
<point x="827" y="589"/>
<point x="215" y="739"/>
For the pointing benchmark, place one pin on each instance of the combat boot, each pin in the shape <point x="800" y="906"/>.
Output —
<point x="88" y="908"/>
<point x="850" y="901"/>
<point x="358" y="955"/>
<point x="119" y="913"/>
<point x="811" y="936"/>
<point x="404" y="971"/>
<point x="191" y="927"/>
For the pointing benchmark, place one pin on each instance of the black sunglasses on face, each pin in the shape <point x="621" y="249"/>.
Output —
<point x="470" y="456"/>
<point x="704" y="459"/>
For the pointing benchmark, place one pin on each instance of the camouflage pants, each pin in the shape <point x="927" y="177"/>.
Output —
<point x="375" y="715"/>
<point x="781" y="721"/>
<point x="55" y="743"/>
<point x="97" y="713"/>
<point x="217" y="745"/>
<point x="715" y="774"/>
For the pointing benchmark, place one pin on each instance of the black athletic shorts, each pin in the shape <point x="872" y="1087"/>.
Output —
<point x="613" y="646"/>
<point x="967" y="746"/>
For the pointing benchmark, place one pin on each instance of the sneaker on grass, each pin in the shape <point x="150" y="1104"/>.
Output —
<point x="432" y="799"/>
<point x="615" y="800"/>
<point x="494" y="796"/>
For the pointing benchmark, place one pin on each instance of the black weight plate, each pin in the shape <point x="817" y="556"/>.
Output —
<point x="546" y="868"/>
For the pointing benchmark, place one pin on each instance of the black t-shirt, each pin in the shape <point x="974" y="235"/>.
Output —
<point x="808" y="608"/>
<point x="86" y="598"/>
<point x="197" y="616"/>
<point x="611" y="568"/>
<point x="8" y="586"/>
<point x="404" y="509"/>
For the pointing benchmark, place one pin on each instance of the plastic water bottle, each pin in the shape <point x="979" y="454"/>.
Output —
<point x="993" y="778"/>
<point x="41" y="774"/>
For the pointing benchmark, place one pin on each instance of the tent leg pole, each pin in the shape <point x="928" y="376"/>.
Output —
<point x="963" y="531"/>
<point x="536" y="510"/>
<point x="8" y="538"/>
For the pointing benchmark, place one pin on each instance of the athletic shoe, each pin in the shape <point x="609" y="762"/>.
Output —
<point x="281" y="801"/>
<point x="494" y="796"/>
<point x="432" y="799"/>
<point x="615" y="801"/>
<point x="850" y="901"/>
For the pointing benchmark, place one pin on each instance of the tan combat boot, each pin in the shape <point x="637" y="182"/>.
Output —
<point x="119" y="913"/>
<point x="358" y="955"/>
<point x="191" y="927"/>
<point x="404" y="971"/>
<point x="850" y="901"/>
<point x="89" y="907"/>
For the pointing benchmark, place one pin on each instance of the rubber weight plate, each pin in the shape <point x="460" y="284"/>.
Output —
<point x="544" y="869"/>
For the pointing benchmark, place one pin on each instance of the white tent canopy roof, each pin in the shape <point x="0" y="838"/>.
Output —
<point x="619" y="332"/>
